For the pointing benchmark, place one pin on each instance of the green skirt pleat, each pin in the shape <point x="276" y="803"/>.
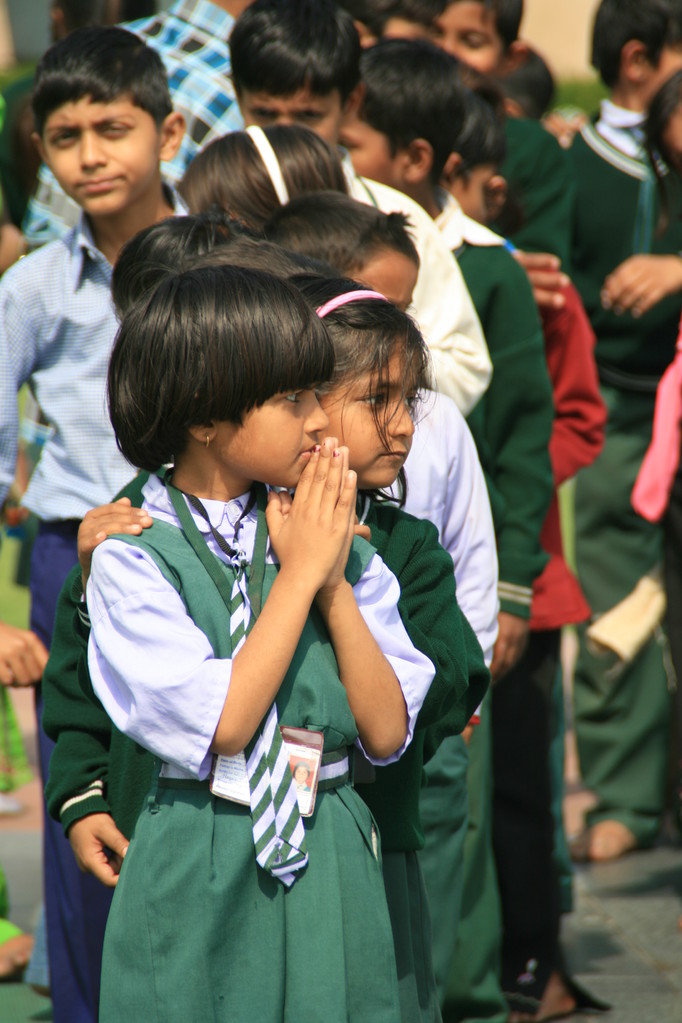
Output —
<point x="197" y="931"/>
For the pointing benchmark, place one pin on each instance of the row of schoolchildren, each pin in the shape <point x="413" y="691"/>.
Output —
<point x="98" y="778"/>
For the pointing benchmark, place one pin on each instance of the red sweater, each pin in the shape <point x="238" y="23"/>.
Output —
<point x="577" y="438"/>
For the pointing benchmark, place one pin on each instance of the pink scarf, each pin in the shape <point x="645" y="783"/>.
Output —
<point x="651" y="492"/>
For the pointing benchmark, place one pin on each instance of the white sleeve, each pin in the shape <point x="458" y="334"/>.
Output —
<point x="377" y="593"/>
<point x="152" y="668"/>
<point x="446" y="485"/>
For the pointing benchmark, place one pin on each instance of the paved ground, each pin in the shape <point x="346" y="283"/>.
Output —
<point x="622" y="941"/>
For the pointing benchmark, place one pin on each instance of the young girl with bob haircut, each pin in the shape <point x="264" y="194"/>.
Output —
<point x="237" y="611"/>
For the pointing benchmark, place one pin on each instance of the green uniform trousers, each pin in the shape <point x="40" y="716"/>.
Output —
<point x="621" y="712"/>
<point x="459" y="872"/>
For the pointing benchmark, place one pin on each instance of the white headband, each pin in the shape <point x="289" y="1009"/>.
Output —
<point x="269" y="158"/>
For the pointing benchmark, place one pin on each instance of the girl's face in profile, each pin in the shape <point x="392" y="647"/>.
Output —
<point x="272" y="444"/>
<point x="353" y="409"/>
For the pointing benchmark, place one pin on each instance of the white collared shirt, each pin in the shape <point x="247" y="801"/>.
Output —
<point x="155" y="671"/>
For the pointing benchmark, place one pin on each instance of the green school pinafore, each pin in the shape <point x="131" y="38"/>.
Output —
<point x="197" y="931"/>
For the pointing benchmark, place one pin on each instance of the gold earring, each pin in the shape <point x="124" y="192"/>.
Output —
<point x="208" y="441"/>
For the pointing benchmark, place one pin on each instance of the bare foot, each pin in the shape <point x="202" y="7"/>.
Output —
<point x="603" y="842"/>
<point x="557" y="1002"/>
<point x="557" y="999"/>
<point x="14" y="956"/>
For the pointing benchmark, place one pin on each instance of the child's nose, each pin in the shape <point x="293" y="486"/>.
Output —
<point x="318" y="419"/>
<point x="90" y="150"/>
<point x="401" y="423"/>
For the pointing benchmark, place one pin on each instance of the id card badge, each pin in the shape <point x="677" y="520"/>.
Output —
<point x="304" y="749"/>
<point x="230" y="779"/>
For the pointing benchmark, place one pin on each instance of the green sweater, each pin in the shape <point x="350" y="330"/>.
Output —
<point x="540" y="183"/>
<point x="512" y="423"/>
<point x="96" y="769"/>
<point x="616" y="214"/>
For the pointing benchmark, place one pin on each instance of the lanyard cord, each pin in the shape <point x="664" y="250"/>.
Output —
<point x="210" y="562"/>
<point x="232" y="552"/>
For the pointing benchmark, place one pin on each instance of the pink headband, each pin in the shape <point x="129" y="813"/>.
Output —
<point x="345" y="298"/>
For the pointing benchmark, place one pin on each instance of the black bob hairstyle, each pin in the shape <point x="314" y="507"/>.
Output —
<point x="281" y="46"/>
<point x="205" y="345"/>
<point x="103" y="64"/>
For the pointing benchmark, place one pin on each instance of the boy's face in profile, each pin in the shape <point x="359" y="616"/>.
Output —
<point x="392" y="274"/>
<point x="371" y="154"/>
<point x="467" y="29"/>
<point x="322" y="114"/>
<point x="106" y="155"/>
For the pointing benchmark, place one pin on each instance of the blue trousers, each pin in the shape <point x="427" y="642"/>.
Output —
<point x="76" y="904"/>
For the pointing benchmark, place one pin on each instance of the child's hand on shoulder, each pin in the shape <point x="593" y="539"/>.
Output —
<point x="311" y="534"/>
<point x="99" y="523"/>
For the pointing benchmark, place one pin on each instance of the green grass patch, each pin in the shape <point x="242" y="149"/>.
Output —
<point x="14" y="600"/>
<point x="9" y="75"/>
<point x="583" y="93"/>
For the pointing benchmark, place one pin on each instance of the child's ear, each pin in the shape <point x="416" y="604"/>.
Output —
<point x="38" y="143"/>
<point x="171" y="131"/>
<point x="451" y="170"/>
<point x="512" y="108"/>
<point x="418" y="161"/>
<point x="513" y="57"/>
<point x="635" y="66"/>
<point x="203" y="433"/>
<point x="367" y="37"/>
<point x="353" y="103"/>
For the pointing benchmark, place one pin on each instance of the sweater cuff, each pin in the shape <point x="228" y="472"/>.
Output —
<point x="90" y="801"/>
<point x="515" y="599"/>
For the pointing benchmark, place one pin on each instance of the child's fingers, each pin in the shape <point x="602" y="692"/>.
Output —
<point x="273" y="512"/>
<point x="307" y="477"/>
<point x="315" y="490"/>
<point x="338" y="462"/>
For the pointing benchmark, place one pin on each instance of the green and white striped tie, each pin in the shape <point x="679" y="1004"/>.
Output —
<point x="278" y="830"/>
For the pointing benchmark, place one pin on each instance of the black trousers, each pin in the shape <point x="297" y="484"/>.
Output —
<point x="523" y="826"/>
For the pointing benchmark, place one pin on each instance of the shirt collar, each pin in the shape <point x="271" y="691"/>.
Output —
<point x="223" y="516"/>
<point x="623" y="129"/>
<point x="204" y="15"/>
<point x="83" y="244"/>
<point x="347" y="166"/>
<point x="456" y="227"/>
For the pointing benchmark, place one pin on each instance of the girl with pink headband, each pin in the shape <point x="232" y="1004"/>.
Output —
<point x="371" y="401"/>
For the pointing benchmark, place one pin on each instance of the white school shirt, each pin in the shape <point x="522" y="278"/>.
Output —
<point x="445" y="484"/>
<point x="155" y="671"/>
<point x="441" y="305"/>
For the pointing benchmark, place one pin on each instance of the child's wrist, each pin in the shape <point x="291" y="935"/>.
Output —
<point x="329" y="595"/>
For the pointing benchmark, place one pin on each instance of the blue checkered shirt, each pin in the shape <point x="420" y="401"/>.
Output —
<point x="57" y="327"/>
<point x="192" y="39"/>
